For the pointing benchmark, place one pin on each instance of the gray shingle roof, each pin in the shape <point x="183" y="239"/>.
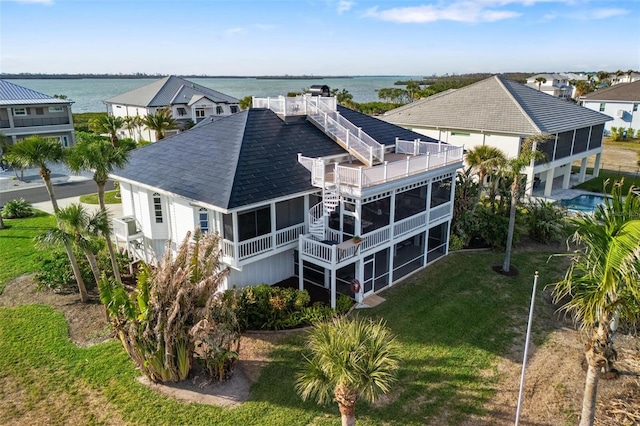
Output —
<point x="496" y="105"/>
<point x="242" y="159"/>
<point x="629" y="92"/>
<point x="168" y="91"/>
<point x="12" y="94"/>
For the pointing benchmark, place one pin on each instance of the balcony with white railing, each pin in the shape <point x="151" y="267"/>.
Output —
<point x="398" y="165"/>
<point x="261" y="244"/>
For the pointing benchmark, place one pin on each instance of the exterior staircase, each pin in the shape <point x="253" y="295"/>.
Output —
<point x="322" y="210"/>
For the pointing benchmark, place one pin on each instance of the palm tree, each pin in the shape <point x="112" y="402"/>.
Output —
<point x="108" y="124"/>
<point x="540" y="81"/>
<point x="78" y="227"/>
<point x="603" y="77"/>
<point x="101" y="157"/>
<point x="527" y="156"/>
<point x="160" y="122"/>
<point x="602" y="283"/>
<point x="349" y="359"/>
<point x="36" y="151"/>
<point x="583" y="87"/>
<point x="483" y="159"/>
<point x="130" y="124"/>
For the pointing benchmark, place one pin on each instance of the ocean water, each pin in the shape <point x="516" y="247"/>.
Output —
<point x="88" y="94"/>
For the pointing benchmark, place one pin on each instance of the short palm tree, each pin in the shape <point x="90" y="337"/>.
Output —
<point x="36" y="151"/>
<point x="92" y="153"/>
<point x="108" y="124"/>
<point x="160" y="122"/>
<point x="540" y="81"/>
<point x="513" y="169"/>
<point x="602" y="283"/>
<point x="349" y="359"/>
<point x="483" y="159"/>
<point x="130" y="124"/>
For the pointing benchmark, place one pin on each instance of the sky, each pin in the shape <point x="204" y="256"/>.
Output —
<point x="319" y="37"/>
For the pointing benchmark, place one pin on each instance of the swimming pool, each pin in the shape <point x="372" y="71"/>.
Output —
<point x="585" y="203"/>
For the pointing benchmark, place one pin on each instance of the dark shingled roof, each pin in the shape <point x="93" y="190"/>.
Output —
<point x="629" y="92"/>
<point x="244" y="158"/>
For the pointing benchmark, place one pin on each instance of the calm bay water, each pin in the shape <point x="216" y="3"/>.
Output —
<point x="88" y="94"/>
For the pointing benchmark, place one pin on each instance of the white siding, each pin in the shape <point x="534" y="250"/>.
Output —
<point x="182" y="219"/>
<point x="127" y="200"/>
<point x="507" y="144"/>
<point x="268" y="271"/>
<point x="630" y="118"/>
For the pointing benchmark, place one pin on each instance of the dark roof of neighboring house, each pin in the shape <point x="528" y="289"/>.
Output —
<point x="12" y="94"/>
<point x="496" y="105"/>
<point x="629" y="92"/>
<point x="244" y="158"/>
<point x="170" y="90"/>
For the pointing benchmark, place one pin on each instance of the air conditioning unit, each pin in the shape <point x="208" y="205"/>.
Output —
<point x="620" y="113"/>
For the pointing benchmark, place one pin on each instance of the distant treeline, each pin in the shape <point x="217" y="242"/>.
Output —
<point x="461" y="80"/>
<point x="39" y="76"/>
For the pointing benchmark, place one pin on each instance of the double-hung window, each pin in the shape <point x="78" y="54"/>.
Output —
<point x="157" y="207"/>
<point x="203" y="220"/>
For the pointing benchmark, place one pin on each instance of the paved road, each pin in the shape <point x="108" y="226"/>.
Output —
<point x="63" y="190"/>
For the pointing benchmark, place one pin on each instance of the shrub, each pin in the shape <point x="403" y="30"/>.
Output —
<point x="55" y="272"/>
<point x="493" y="228"/>
<point x="616" y="133"/>
<point x="455" y="243"/>
<point x="17" y="209"/>
<point x="270" y="307"/>
<point x="545" y="221"/>
<point x="343" y="304"/>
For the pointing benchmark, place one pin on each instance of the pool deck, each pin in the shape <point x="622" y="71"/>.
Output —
<point x="557" y="193"/>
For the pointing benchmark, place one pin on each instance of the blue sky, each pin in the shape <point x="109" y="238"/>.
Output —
<point x="321" y="37"/>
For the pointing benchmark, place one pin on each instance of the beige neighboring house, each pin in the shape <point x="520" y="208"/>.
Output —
<point x="187" y="101"/>
<point x="25" y="112"/>
<point x="502" y="113"/>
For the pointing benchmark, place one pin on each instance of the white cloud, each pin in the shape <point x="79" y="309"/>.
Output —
<point x="47" y="2"/>
<point x="462" y="11"/>
<point x="344" y="6"/>
<point x="233" y="31"/>
<point x="606" y="13"/>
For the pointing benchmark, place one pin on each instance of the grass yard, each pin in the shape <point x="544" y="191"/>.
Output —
<point x="454" y="322"/>
<point x="16" y="245"/>
<point x="596" y="184"/>
<point x="109" y="198"/>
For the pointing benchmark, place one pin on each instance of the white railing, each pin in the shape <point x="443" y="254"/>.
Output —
<point x="227" y="249"/>
<point x="316" y="249"/>
<point x="254" y="246"/>
<point x="375" y="238"/>
<point x="439" y="212"/>
<point x="288" y="235"/>
<point x="409" y="224"/>
<point x="332" y="234"/>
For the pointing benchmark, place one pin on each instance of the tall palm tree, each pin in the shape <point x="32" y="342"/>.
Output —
<point x="80" y="228"/>
<point x="540" y="81"/>
<point x="349" y="359"/>
<point x="36" y="151"/>
<point x="602" y="283"/>
<point x="483" y="159"/>
<point x="513" y="169"/>
<point x="101" y="157"/>
<point x="108" y="124"/>
<point x="160" y="122"/>
<point x="130" y="124"/>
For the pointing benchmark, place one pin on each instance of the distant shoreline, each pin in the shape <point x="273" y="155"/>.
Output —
<point x="30" y="76"/>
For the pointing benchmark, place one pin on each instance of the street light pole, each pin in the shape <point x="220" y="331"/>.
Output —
<point x="526" y="347"/>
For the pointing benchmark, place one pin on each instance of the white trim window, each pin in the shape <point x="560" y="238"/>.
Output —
<point x="157" y="207"/>
<point x="56" y="109"/>
<point x="19" y="111"/>
<point x="203" y="220"/>
<point x="64" y="140"/>
<point x="200" y="113"/>
<point x="219" y="110"/>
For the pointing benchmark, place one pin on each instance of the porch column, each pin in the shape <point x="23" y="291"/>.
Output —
<point x="566" y="180"/>
<point x="596" y="166"/>
<point x="333" y="288"/>
<point x="300" y="268"/>
<point x="583" y="170"/>
<point x="360" y="275"/>
<point x="548" y="184"/>
<point x="11" y="123"/>
<point x="528" y="189"/>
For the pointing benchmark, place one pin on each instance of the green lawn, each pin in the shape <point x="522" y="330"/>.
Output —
<point x="16" y="245"/>
<point x="453" y="321"/>
<point x="596" y="184"/>
<point x="109" y="198"/>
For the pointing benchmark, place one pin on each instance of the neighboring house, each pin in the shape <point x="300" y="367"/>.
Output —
<point x="288" y="184"/>
<point x="25" y="112"/>
<point x="553" y="84"/>
<point x="186" y="100"/>
<point x="502" y="113"/>
<point x="627" y="77"/>
<point x="619" y="101"/>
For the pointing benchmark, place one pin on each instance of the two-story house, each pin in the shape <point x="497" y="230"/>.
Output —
<point x="552" y="84"/>
<point x="619" y="101"/>
<point x="502" y="113"/>
<point x="187" y="101"/>
<point x="25" y="112"/>
<point x="296" y="187"/>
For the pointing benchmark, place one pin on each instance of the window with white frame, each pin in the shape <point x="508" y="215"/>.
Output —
<point x="219" y="110"/>
<point x="64" y="140"/>
<point x="203" y="220"/>
<point x="56" y="109"/>
<point x="19" y="111"/>
<point x="635" y="107"/>
<point x="602" y="105"/>
<point x="182" y="112"/>
<point x="200" y="113"/>
<point x="234" y="109"/>
<point x="157" y="207"/>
